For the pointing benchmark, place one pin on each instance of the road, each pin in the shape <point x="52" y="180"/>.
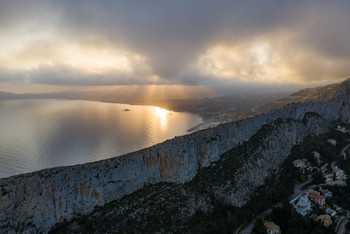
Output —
<point x="297" y="188"/>
<point x="341" y="227"/>
<point x="249" y="228"/>
<point x="343" y="150"/>
<point x="297" y="191"/>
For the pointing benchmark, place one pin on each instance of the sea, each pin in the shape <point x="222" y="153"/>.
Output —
<point x="44" y="133"/>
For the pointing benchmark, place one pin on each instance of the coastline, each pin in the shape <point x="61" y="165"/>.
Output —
<point x="68" y="191"/>
<point x="204" y="125"/>
<point x="69" y="157"/>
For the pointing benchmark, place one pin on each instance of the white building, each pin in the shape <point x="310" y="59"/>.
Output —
<point x="303" y="205"/>
<point x="331" y="212"/>
<point x="332" y="141"/>
<point x="341" y="129"/>
<point x="339" y="173"/>
<point x="299" y="163"/>
<point x="316" y="154"/>
<point x="272" y="228"/>
<point x="328" y="177"/>
<point x="326" y="193"/>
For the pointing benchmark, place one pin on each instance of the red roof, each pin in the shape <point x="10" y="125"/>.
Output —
<point x="316" y="196"/>
<point x="298" y="161"/>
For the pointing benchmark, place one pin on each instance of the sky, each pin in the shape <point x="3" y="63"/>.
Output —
<point x="49" y="45"/>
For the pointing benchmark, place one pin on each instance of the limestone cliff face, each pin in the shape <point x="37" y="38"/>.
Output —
<point x="36" y="201"/>
<point x="267" y="159"/>
<point x="230" y="181"/>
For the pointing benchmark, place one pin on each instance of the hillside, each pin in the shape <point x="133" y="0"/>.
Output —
<point x="226" y="184"/>
<point x="187" y="175"/>
<point x="318" y="94"/>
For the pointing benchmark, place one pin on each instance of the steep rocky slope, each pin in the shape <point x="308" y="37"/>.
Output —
<point x="231" y="181"/>
<point x="36" y="201"/>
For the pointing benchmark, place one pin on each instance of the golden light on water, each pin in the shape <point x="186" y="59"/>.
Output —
<point x="162" y="114"/>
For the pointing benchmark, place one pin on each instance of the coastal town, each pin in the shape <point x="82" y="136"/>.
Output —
<point x="319" y="198"/>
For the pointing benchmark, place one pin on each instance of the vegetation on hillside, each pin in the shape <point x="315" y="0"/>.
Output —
<point x="193" y="206"/>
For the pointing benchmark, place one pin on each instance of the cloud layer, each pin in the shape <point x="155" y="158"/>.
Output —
<point x="173" y="42"/>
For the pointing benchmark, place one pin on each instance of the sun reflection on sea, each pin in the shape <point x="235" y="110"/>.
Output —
<point x="162" y="114"/>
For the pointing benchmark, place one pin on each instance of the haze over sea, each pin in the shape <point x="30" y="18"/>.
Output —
<point x="42" y="133"/>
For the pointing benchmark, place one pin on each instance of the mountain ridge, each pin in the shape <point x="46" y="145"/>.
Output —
<point x="35" y="202"/>
<point x="229" y="182"/>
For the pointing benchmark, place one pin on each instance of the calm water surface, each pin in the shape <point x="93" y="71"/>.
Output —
<point x="37" y="134"/>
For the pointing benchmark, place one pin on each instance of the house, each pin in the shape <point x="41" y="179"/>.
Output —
<point x="316" y="154"/>
<point x="299" y="163"/>
<point x="337" y="208"/>
<point x="331" y="212"/>
<point x="332" y="141"/>
<point x="272" y="228"/>
<point x="317" y="198"/>
<point x="328" y="177"/>
<point x="325" y="219"/>
<point x="317" y="157"/>
<point x="303" y="205"/>
<point x="341" y="129"/>
<point x="326" y="193"/>
<point x="339" y="173"/>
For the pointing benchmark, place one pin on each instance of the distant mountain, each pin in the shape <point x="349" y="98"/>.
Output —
<point x="6" y="95"/>
<point x="128" y="94"/>
<point x="318" y="94"/>
<point x="211" y="108"/>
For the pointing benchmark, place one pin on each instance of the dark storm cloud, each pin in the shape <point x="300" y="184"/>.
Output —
<point x="313" y="35"/>
<point x="29" y="14"/>
<point x="173" y="33"/>
<point x="11" y="76"/>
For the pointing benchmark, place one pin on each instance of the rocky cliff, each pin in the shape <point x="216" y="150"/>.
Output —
<point x="229" y="182"/>
<point x="36" y="201"/>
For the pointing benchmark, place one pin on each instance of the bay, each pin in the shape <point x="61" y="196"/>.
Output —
<point x="43" y="133"/>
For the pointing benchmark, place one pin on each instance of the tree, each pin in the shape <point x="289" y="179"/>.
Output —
<point x="275" y="195"/>
<point x="259" y="227"/>
<point x="318" y="178"/>
<point x="302" y="178"/>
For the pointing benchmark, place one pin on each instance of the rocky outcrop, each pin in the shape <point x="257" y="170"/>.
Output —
<point x="264" y="161"/>
<point x="229" y="182"/>
<point x="36" y="201"/>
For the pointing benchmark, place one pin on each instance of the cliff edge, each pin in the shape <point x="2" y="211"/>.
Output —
<point x="36" y="201"/>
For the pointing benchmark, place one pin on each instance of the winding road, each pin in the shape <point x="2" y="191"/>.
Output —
<point x="297" y="191"/>
<point x="341" y="227"/>
<point x="343" y="150"/>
